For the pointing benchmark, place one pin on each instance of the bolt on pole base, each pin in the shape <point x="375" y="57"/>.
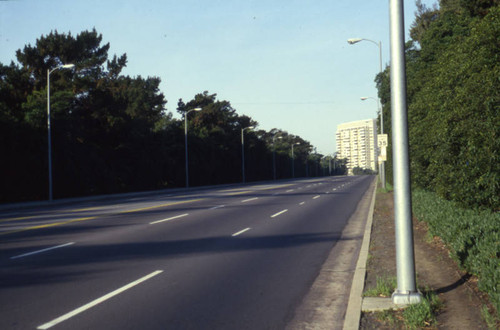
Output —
<point x="406" y="298"/>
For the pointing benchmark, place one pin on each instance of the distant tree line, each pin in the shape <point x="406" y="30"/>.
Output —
<point x="453" y="70"/>
<point x="111" y="133"/>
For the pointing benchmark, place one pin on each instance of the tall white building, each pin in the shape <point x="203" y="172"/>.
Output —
<point x="357" y="141"/>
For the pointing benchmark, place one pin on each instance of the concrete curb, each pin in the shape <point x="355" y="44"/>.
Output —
<point x="353" y="313"/>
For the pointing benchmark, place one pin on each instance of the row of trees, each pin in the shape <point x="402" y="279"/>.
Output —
<point x="111" y="133"/>
<point x="453" y="70"/>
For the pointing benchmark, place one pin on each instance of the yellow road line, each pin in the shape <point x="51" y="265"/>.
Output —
<point x="239" y="193"/>
<point x="54" y="224"/>
<point x="18" y="218"/>
<point x="161" y="205"/>
<point x="60" y="211"/>
<point x="279" y="186"/>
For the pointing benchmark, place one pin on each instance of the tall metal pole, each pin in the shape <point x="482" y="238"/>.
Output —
<point x="274" y="161"/>
<point x="243" y="155"/>
<point x="186" y="148"/>
<point x="274" y="156"/>
<point x="379" y="45"/>
<point x="186" y="143"/>
<point x="49" y="135"/>
<point x="382" y="163"/>
<point x="406" y="292"/>
<point x="49" y="138"/>
<point x="293" y="159"/>
<point x="243" y="151"/>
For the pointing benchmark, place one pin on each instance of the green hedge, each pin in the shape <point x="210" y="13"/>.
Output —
<point x="472" y="236"/>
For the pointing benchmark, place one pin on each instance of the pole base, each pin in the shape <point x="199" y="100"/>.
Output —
<point x="406" y="297"/>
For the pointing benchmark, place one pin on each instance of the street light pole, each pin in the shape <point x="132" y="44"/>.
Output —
<point x="49" y="135"/>
<point x="274" y="156"/>
<point x="379" y="45"/>
<point x="293" y="160"/>
<point x="382" y="163"/>
<point x="243" y="151"/>
<point x="406" y="292"/>
<point x="186" y="143"/>
<point x="379" y="109"/>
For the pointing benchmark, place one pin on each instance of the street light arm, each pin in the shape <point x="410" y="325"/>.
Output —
<point x="353" y="41"/>
<point x="64" y="66"/>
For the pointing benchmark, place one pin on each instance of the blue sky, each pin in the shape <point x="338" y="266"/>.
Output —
<point x="285" y="63"/>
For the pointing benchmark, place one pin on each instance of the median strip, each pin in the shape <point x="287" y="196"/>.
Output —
<point x="97" y="301"/>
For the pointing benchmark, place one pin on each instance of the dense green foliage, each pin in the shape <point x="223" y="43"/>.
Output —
<point x="112" y="133"/>
<point x="453" y="70"/>
<point x="472" y="236"/>
<point x="453" y="96"/>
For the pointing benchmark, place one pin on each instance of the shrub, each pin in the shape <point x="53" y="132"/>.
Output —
<point x="473" y="237"/>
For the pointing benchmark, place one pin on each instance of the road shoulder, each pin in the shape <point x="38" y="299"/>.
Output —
<point x="324" y="306"/>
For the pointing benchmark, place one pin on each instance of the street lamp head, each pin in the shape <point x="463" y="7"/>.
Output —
<point x="352" y="41"/>
<point x="67" y="66"/>
<point x="250" y="127"/>
<point x="364" y="98"/>
<point x="197" y="109"/>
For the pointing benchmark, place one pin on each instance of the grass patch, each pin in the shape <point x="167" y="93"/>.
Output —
<point x="388" y="188"/>
<point x="491" y="320"/>
<point x="385" y="287"/>
<point x="423" y="314"/>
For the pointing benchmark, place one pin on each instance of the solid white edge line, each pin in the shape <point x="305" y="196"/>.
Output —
<point x="168" y="219"/>
<point x="250" y="199"/>
<point x="217" y="207"/>
<point x="40" y="251"/>
<point x="97" y="301"/>
<point x="240" y="232"/>
<point x="280" y="212"/>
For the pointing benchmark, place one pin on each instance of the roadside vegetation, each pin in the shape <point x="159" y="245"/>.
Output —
<point x="412" y="317"/>
<point x="472" y="236"/>
<point x="453" y="65"/>
<point x="113" y="133"/>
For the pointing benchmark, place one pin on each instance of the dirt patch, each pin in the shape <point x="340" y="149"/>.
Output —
<point x="458" y="291"/>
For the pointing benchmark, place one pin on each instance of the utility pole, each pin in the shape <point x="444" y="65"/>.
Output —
<point x="406" y="292"/>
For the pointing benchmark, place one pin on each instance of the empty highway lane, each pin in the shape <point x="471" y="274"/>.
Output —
<point x="240" y="257"/>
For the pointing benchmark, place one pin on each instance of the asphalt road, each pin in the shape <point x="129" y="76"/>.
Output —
<point x="223" y="258"/>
